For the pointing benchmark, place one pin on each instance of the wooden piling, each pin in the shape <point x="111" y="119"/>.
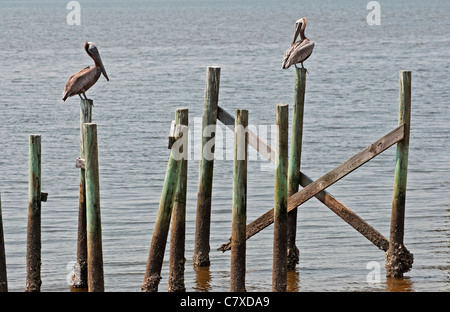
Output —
<point x="159" y="239"/>
<point x="3" y="276"/>
<point x="80" y="278"/>
<point x="295" y="160"/>
<point x="398" y="259"/>
<point x="253" y="140"/>
<point x="280" y="215"/>
<point x="178" y="226"/>
<point x="203" y="217"/>
<point x="33" y="282"/>
<point x="239" y="213"/>
<point x="93" y="215"/>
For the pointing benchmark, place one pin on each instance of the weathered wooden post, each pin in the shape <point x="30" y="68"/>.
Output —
<point x="93" y="216"/>
<point x="81" y="274"/>
<point x="398" y="259"/>
<point x="239" y="214"/>
<point x="178" y="226"/>
<point x="294" y="161"/>
<point x="159" y="239"/>
<point x="203" y="218"/>
<point x="3" y="277"/>
<point x="279" y="274"/>
<point x="33" y="283"/>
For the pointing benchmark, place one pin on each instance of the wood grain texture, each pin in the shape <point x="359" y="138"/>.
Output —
<point x="93" y="214"/>
<point x="239" y="211"/>
<point x="280" y="214"/>
<point x="33" y="281"/>
<point x="159" y="239"/>
<point x="178" y="225"/>
<point x="206" y="166"/>
<point x="398" y="259"/>
<point x="295" y="160"/>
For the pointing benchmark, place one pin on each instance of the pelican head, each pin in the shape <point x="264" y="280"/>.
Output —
<point x="301" y="20"/>
<point x="92" y="51"/>
<point x="300" y="25"/>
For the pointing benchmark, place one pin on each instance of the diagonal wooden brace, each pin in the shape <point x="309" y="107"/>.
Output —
<point x="317" y="188"/>
<point x="348" y="216"/>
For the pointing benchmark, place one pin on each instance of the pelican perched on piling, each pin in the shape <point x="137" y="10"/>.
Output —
<point x="300" y="50"/>
<point x="87" y="77"/>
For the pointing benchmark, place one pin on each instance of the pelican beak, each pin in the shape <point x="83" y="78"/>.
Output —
<point x="103" y="68"/>
<point x="104" y="71"/>
<point x="298" y="26"/>
<point x="297" y="30"/>
<point x="98" y="59"/>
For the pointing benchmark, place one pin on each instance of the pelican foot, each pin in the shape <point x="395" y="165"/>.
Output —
<point x="86" y="98"/>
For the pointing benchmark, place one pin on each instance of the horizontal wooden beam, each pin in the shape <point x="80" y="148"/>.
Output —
<point x="327" y="180"/>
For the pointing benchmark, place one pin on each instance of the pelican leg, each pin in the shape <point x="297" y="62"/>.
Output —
<point x="85" y="97"/>
<point x="80" y="96"/>
<point x="305" y="69"/>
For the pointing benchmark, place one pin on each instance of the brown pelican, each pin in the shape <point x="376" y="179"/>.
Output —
<point x="87" y="77"/>
<point x="300" y="50"/>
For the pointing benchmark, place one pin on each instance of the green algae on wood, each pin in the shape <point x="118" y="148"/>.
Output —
<point x="280" y="213"/>
<point x="206" y="166"/>
<point x="93" y="213"/>
<point x="239" y="210"/>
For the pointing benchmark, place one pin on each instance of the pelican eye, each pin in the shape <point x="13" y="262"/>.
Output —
<point x="92" y="48"/>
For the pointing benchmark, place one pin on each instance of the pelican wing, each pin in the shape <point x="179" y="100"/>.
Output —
<point x="69" y="82"/>
<point x="297" y="53"/>
<point x="286" y="56"/>
<point x="81" y="81"/>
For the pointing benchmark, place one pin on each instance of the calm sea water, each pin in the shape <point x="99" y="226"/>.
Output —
<point x="156" y="54"/>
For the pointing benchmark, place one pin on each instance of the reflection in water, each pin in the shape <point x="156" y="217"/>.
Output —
<point x="293" y="281"/>
<point x="202" y="278"/>
<point x="399" y="284"/>
<point x="78" y="289"/>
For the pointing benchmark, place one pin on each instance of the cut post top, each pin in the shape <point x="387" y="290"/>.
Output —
<point x="87" y="101"/>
